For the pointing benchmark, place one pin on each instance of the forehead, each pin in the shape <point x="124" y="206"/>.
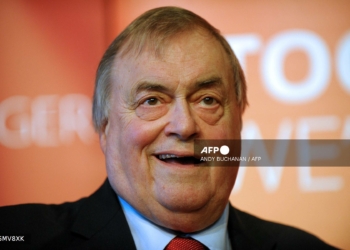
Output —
<point x="187" y="56"/>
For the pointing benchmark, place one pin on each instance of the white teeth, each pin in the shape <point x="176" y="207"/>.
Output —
<point x="167" y="156"/>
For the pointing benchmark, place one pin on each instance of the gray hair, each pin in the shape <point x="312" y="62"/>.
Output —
<point x="154" y="28"/>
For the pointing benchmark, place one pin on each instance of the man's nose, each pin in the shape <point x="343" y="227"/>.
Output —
<point x="182" y="123"/>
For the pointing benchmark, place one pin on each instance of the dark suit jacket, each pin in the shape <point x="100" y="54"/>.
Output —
<point x="98" y="222"/>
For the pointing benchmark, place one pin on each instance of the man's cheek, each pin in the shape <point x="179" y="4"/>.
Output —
<point x="143" y="133"/>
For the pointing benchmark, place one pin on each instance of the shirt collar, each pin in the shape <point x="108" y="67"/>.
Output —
<point x="148" y="235"/>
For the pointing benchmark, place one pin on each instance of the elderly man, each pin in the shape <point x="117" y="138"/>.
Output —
<point x="169" y="78"/>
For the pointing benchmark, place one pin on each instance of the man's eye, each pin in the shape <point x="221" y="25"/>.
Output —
<point x="151" y="101"/>
<point x="209" y="101"/>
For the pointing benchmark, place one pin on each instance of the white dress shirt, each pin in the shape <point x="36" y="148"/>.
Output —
<point x="148" y="235"/>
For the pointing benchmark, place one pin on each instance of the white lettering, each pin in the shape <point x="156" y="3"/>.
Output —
<point x="346" y="130"/>
<point x="47" y="120"/>
<point x="204" y="150"/>
<point x="209" y="150"/>
<point x="15" y="122"/>
<point x="207" y="158"/>
<point x="75" y="118"/>
<point x="307" y="153"/>
<point x="308" y="183"/>
<point x="273" y="62"/>
<point x="343" y="61"/>
<point x="270" y="176"/>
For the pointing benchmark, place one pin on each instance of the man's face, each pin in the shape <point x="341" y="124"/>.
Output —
<point x="158" y="106"/>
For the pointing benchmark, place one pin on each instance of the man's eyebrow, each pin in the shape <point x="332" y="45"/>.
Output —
<point x="150" y="86"/>
<point x="208" y="83"/>
<point x="202" y="84"/>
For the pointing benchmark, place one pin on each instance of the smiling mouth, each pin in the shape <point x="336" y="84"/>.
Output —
<point x="183" y="160"/>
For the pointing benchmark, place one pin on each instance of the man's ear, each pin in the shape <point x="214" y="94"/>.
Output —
<point x="103" y="136"/>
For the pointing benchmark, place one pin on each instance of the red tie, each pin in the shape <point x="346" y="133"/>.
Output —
<point x="179" y="243"/>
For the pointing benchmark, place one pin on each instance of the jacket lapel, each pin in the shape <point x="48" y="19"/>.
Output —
<point x="245" y="232"/>
<point x="101" y="222"/>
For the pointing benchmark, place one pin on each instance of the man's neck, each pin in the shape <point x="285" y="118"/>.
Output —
<point x="148" y="235"/>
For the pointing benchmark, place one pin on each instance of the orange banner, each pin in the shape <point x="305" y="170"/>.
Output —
<point x="296" y="55"/>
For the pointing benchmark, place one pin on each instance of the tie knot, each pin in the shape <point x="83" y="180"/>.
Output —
<point x="182" y="243"/>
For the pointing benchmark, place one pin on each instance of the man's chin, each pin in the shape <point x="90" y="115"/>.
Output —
<point x="185" y="214"/>
<point x="184" y="198"/>
<point x="182" y="205"/>
<point x="186" y="217"/>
